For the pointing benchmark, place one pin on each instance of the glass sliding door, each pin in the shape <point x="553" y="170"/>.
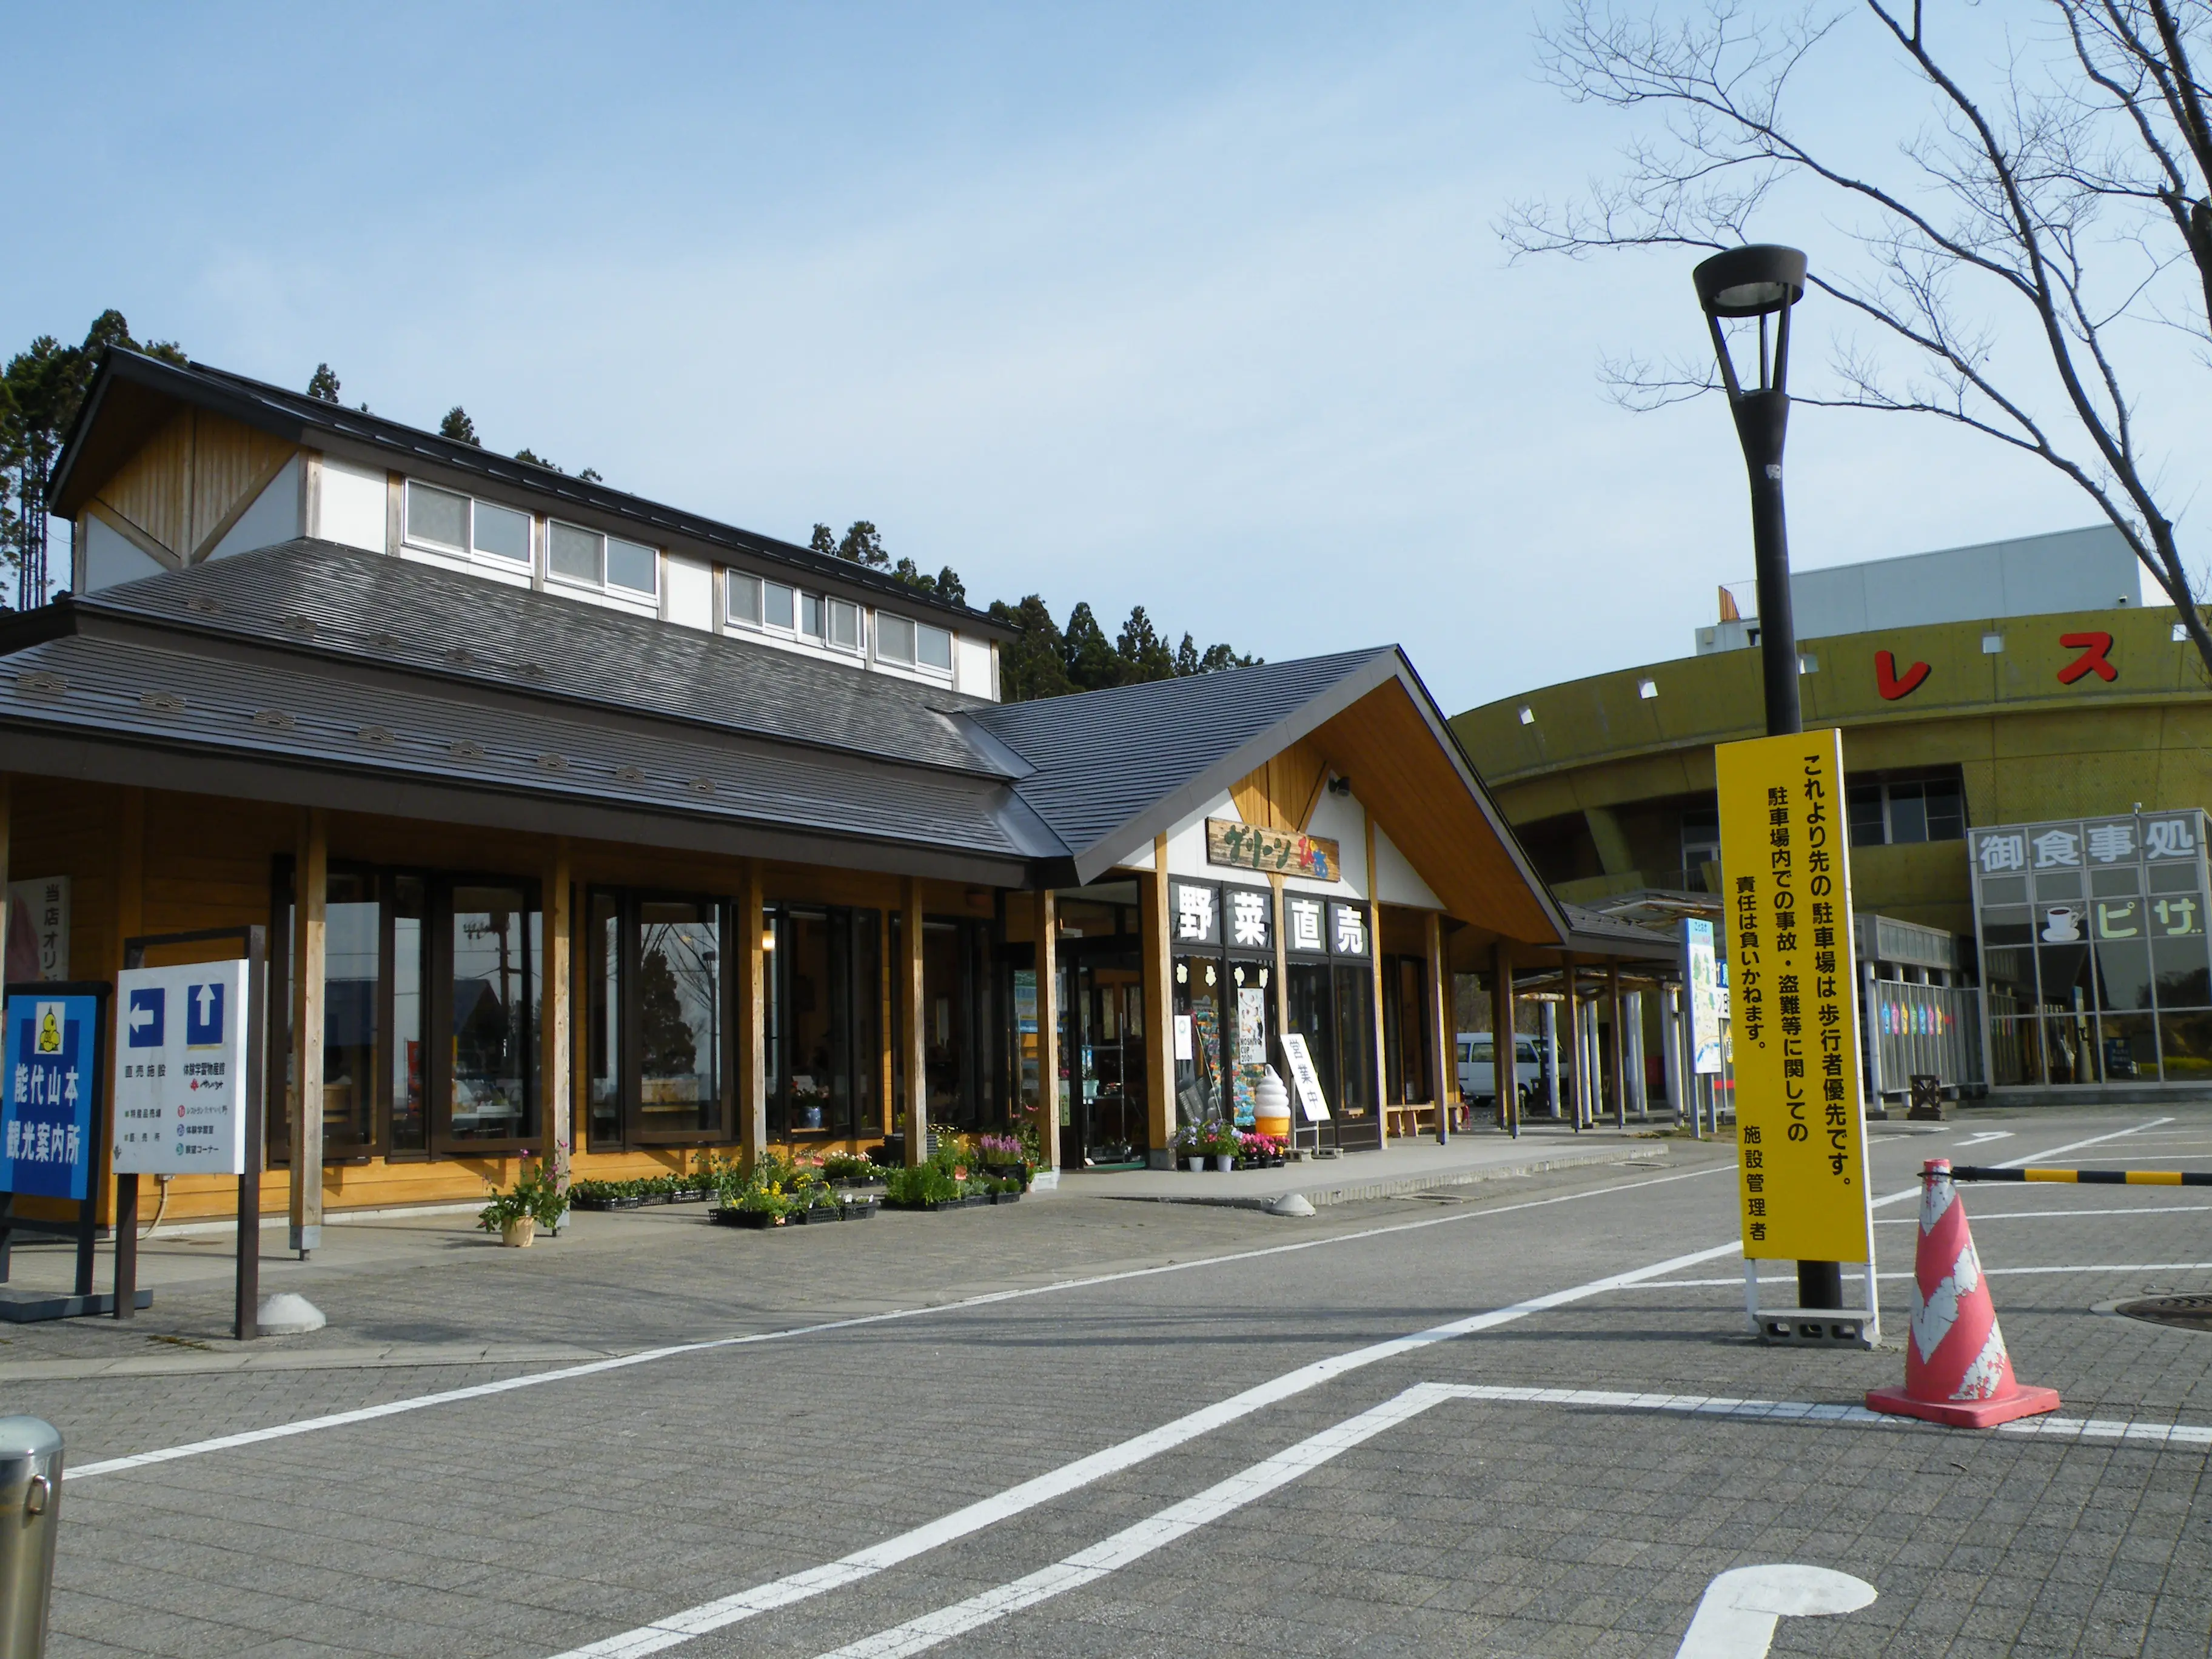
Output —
<point x="352" y="985"/>
<point x="824" y="1030"/>
<point x="679" y="1019"/>
<point x="492" y="1014"/>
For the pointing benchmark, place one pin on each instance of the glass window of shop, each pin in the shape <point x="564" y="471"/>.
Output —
<point x="2095" y="964"/>
<point x="1331" y="995"/>
<point x="407" y="954"/>
<point x="1223" y="970"/>
<point x="657" y="1029"/>
<point x="825" y="1025"/>
<point x="1408" y="1068"/>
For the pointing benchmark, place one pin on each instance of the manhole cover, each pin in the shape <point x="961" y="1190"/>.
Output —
<point x="2188" y="1313"/>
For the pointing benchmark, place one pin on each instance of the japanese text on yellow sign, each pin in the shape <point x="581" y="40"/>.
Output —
<point x="1786" y="882"/>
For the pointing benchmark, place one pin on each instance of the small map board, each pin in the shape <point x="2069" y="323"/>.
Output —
<point x="180" y="1069"/>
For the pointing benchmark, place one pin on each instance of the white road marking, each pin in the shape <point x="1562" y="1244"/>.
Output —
<point x="1980" y="1216"/>
<point x="1981" y="1135"/>
<point x="1738" y="1622"/>
<point x="1987" y="1272"/>
<point x="622" y="1362"/>
<point x="1134" y="1543"/>
<point x="1736" y="1616"/>
<point x="679" y="1627"/>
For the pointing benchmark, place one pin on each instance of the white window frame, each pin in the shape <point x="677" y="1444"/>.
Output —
<point x="600" y="584"/>
<point x="831" y="608"/>
<point x="951" y="650"/>
<point x="732" y="580"/>
<point x="409" y="537"/>
<point x="500" y="560"/>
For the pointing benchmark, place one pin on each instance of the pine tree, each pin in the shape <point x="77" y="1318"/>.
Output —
<point x="863" y="545"/>
<point x="1034" y="664"/>
<point x="1092" y="663"/>
<point x="824" y="541"/>
<point x="323" y="384"/>
<point x="459" y="427"/>
<point x="1144" y="655"/>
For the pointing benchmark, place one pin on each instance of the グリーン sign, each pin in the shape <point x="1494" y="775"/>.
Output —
<point x="1244" y="847"/>
<point x="1787" y="919"/>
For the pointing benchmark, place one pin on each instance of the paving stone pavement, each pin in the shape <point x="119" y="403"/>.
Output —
<point x="530" y="1522"/>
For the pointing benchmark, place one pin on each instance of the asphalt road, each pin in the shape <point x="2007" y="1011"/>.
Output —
<point x="1087" y="1427"/>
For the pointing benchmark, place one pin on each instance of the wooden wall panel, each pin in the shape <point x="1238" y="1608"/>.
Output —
<point x="192" y="479"/>
<point x="1281" y="794"/>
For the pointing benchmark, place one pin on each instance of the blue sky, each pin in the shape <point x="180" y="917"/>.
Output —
<point x="1200" y="308"/>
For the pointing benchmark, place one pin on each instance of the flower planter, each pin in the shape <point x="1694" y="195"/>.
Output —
<point x="517" y="1234"/>
<point x="1225" y="1165"/>
<point x="861" y="1211"/>
<point x="748" y="1218"/>
<point x="1005" y="1198"/>
<point x="1196" y="1165"/>
<point x="815" y="1215"/>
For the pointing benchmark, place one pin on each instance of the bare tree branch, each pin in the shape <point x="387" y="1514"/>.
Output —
<point x="2064" y="201"/>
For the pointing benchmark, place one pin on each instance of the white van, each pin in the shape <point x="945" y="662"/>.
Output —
<point x="1477" y="1073"/>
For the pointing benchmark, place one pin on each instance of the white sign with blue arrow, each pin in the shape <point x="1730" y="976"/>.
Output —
<point x="181" y="1070"/>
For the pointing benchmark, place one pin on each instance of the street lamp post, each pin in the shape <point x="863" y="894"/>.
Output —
<point x="1762" y="282"/>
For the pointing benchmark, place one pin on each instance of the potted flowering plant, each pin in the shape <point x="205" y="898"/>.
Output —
<point x="1190" y="1144"/>
<point x="1220" y="1138"/>
<point x="515" y="1214"/>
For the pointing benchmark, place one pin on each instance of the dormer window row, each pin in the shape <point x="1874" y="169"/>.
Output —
<point x="780" y="610"/>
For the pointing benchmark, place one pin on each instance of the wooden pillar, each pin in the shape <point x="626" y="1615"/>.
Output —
<point x="1506" y="1073"/>
<point x="1159" y="1010"/>
<point x="753" y="966"/>
<point x="557" y="1025"/>
<point x="1375" y="984"/>
<point x="310" y="884"/>
<point x="1442" y="1051"/>
<point x="1620" y="1064"/>
<point x="1048" y="1018"/>
<point x="911" y="1005"/>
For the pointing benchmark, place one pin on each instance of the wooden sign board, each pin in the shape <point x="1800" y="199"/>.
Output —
<point x="1242" y="847"/>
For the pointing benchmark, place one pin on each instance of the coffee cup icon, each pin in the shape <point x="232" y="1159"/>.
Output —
<point x="2062" y="925"/>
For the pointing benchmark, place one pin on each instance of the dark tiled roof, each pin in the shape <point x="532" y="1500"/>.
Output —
<point x="1105" y="758"/>
<point x="332" y="716"/>
<point x="294" y="415"/>
<point x="321" y="597"/>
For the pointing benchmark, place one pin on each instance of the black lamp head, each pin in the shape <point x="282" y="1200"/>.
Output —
<point x="1755" y="280"/>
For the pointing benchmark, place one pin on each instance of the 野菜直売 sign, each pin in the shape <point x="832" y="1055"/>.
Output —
<point x="47" y="1148"/>
<point x="1786" y="885"/>
<point x="180" y="1069"/>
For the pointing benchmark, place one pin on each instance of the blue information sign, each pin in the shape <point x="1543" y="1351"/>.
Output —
<point x="46" y="1145"/>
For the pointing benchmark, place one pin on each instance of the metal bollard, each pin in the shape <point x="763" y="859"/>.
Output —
<point x="30" y="1511"/>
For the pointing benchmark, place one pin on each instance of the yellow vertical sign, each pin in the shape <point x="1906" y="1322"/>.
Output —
<point x="1786" y="885"/>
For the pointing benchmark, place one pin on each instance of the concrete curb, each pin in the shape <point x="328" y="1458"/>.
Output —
<point x="1356" y="1191"/>
<point x="226" y="1357"/>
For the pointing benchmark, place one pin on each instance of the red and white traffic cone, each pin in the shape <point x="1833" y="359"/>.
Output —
<point x="1956" y="1369"/>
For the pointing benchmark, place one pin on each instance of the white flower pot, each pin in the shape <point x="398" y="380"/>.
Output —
<point x="517" y="1234"/>
<point x="1224" y="1162"/>
<point x="1194" y="1164"/>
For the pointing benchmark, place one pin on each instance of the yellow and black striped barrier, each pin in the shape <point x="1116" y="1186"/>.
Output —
<point x="2091" y="1177"/>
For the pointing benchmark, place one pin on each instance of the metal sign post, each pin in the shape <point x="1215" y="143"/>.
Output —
<point x="247" y="1098"/>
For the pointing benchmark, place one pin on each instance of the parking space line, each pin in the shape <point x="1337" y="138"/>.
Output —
<point x="1987" y="1272"/>
<point x="1980" y="1216"/>
<point x="1178" y="1521"/>
<point x="679" y="1627"/>
<point x="646" y="1356"/>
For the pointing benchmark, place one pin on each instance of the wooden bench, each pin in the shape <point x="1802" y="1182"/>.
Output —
<point x="1408" y="1120"/>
